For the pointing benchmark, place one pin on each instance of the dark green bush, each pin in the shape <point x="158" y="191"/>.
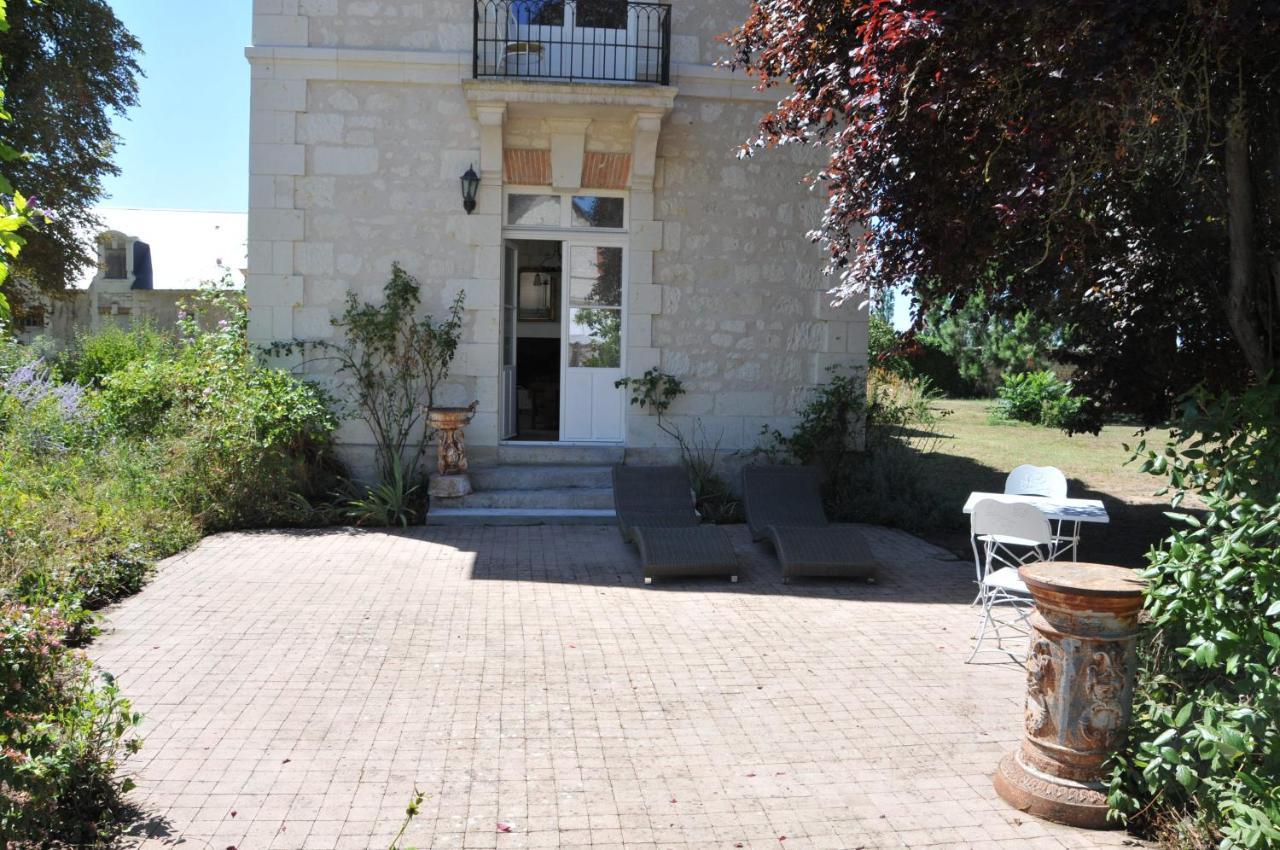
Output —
<point x="921" y="358"/>
<point x="1202" y="763"/>
<point x="1040" y="398"/>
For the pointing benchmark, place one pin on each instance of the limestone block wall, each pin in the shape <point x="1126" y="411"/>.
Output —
<point x="445" y="25"/>
<point x="745" y="319"/>
<point x="360" y="127"/>
<point x="103" y="304"/>
<point x="356" y="176"/>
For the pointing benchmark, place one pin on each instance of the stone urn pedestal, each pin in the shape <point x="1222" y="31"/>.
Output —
<point x="1080" y="671"/>
<point x="451" y="480"/>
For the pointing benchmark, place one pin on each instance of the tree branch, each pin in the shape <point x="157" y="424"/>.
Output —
<point x="1241" y="300"/>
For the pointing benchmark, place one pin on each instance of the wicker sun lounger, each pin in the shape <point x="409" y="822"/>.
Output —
<point x="652" y="496"/>
<point x="784" y="507"/>
<point x="655" y="511"/>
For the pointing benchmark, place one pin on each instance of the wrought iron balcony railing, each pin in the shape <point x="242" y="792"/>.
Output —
<point x="601" y="41"/>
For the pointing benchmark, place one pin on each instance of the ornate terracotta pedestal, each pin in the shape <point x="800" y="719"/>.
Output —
<point x="451" y="481"/>
<point x="1080" y="667"/>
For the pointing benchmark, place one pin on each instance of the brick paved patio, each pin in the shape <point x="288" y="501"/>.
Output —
<point x="297" y="686"/>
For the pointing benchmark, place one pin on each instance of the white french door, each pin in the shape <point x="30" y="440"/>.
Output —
<point x="509" y="318"/>
<point x="592" y="341"/>
<point x="587" y="39"/>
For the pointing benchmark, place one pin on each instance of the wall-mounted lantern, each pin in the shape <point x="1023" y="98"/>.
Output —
<point x="470" y="185"/>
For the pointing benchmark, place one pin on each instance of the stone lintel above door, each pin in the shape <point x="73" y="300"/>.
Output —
<point x="571" y="117"/>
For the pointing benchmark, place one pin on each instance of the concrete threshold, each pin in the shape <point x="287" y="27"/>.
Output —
<point x="519" y="516"/>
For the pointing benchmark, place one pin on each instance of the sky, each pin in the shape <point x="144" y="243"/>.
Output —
<point x="186" y="145"/>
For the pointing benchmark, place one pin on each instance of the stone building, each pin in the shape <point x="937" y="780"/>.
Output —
<point x="614" y="229"/>
<point x="149" y="260"/>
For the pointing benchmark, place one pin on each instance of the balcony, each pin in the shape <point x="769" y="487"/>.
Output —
<point x="587" y="41"/>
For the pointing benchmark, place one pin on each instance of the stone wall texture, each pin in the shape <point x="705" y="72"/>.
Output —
<point x="445" y="25"/>
<point x="360" y="127"/>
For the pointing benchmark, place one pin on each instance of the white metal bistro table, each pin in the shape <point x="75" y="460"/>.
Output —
<point x="1060" y="511"/>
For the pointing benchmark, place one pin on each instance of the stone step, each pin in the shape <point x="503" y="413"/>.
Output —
<point x="564" y="498"/>
<point x="514" y="453"/>
<point x="540" y="477"/>
<point x="518" y="516"/>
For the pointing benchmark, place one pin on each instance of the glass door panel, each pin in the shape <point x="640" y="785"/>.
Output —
<point x="603" y="35"/>
<point x="593" y="340"/>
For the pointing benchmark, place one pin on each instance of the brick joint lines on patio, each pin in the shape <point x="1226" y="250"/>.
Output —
<point x="297" y="686"/>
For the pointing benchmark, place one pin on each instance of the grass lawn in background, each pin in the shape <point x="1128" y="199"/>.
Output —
<point x="975" y="453"/>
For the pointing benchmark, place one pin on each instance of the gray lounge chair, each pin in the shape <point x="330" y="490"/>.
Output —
<point x="656" y="512"/>
<point x="784" y="507"/>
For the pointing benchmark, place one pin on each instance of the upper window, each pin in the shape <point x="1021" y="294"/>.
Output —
<point x="602" y="14"/>
<point x="544" y="209"/>
<point x="533" y="210"/>
<point x="115" y="259"/>
<point x="593" y="211"/>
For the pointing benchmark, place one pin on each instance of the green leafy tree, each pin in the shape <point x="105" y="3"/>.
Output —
<point x="1117" y="162"/>
<point x="16" y="212"/>
<point x="604" y="327"/>
<point x="987" y="343"/>
<point x="69" y="66"/>
<point x="885" y="347"/>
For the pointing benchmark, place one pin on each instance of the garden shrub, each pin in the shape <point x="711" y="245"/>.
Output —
<point x="394" y="362"/>
<point x="1202" y="764"/>
<point x="713" y="496"/>
<point x="137" y="399"/>
<point x="1040" y="398"/>
<point x="884" y="348"/>
<point x="870" y="437"/>
<point x="921" y="358"/>
<point x="110" y="350"/>
<point x="250" y="445"/>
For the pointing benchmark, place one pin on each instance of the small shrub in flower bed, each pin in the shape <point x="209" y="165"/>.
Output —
<point x="64" y="728"/>
<point x="124" y="451"/>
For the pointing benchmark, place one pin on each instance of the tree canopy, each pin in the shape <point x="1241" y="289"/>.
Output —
<point x="1117" y="162"/>
<point x="16" y="211"/>
<point x="69" y="65"/>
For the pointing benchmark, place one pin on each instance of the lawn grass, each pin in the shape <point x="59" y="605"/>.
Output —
<point x="975" y="453"/>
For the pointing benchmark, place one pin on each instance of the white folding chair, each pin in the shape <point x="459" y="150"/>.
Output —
<point x="1004" y="537"/>
<point x="1050" y="482"/>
